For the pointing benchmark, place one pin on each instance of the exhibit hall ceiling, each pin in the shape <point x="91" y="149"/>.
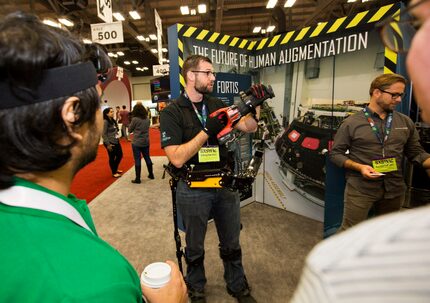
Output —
<point x="250" y="19"/>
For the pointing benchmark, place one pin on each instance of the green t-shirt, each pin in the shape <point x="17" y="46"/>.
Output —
<point x="45" y="257"/>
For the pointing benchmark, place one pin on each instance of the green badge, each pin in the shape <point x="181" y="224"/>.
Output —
<point x="385" y="165"/>
<point x="209" y="154"/>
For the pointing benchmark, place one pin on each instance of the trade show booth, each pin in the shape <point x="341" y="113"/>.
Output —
<point x="320" y="75"/>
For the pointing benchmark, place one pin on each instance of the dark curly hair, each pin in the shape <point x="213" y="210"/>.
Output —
<point x="30" y="135"/>
<point x="140" y="111"/>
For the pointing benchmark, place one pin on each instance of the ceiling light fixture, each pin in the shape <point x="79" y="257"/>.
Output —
<point x="127" y="62"/>
<point x="193" y="12"/>
<point x="51" y="23"/>
<point x="153" y="37"/>
<point x="135" y="62"/>
<point x="134" y="14"/>
<point x="120" y="53"/>
<point x="164" y="50"/>
<point x="66" y="22"/>
<point x="110" y="54"/>
<point x="270" y="28"/>
<point x="87" y="41"/>
<point x="140" y="38"/>
<point x="289" y="3"/>
<point x="256" y="29"/>
<point x="271" y="3"/>
<point x="153" y="50"/>
<point x="118" y="16"/>
<point x="201" y="8"/>
<point x="185" y="10"/>
<point x="263" y="31"/>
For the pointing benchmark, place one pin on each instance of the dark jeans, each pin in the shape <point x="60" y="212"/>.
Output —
<point x="195" y="206"/>
<point x="115" y="157"/>
<point x="144" y="151"/>
<point x="124" y="132"/>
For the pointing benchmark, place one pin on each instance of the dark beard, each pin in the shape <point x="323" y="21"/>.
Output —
<point x="89" y="152"/>
<point x="202" y="89"/>
<point x="89" y="156"/>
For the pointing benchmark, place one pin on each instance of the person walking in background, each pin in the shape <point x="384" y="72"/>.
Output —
<point x="125" y="120"/>
<point x="139" y="126"/>
<point x="117" y="117"/>
<point x="377" y="139"/>
<point x="111" y="141"/>
<point x="48" y="135"/>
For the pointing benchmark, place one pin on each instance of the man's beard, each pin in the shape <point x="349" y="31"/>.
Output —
<point x="89" y="149"/>
<point x="202" y="89"/>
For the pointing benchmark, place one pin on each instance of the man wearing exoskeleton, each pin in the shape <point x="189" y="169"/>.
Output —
<point x="189" y="129"/>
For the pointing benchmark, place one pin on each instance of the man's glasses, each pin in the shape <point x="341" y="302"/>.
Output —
<point x="398" y="30"/>
<point x="393" y="95"/>
<point x="207" y="72"/>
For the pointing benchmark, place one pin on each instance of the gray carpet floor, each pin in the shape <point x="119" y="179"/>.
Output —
<point x="137" y="220"/>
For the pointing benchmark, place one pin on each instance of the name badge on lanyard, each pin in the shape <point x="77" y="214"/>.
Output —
<point x="209" y="154"/>
<point x="385" y="164"/>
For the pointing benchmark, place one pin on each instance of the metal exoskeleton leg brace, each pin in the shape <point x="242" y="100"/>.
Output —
<point x="173" y="186"/>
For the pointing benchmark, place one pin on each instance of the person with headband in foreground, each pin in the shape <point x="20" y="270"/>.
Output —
<point x="50" y="128"/>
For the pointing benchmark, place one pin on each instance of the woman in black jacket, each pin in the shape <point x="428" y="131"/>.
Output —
<point x="139" y="126"/>
<point x="111" y="141"/>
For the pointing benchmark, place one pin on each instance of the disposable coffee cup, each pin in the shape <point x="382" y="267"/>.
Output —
<point x="156" y="275"/>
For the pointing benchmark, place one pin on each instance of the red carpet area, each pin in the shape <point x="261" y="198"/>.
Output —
<point x="96" y="176"/>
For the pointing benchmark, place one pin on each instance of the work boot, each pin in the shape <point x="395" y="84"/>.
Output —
<point x="243" y="296"/>
<point x="196" y="296"/>
<point x="150" y="171"/>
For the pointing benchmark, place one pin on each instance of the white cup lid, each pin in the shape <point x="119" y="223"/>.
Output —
<point x="156" y="275"/>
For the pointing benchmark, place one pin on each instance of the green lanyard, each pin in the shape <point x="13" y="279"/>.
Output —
<point x="375" y="128"/>
<point x="202" y="117"/>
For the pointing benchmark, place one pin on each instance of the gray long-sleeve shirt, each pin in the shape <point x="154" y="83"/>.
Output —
<point x="140" y="129"/>
<point x="356" y="135"/>
<point x="109" y="134"/>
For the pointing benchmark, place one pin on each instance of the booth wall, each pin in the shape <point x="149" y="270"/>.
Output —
<point x="141" y="88"/>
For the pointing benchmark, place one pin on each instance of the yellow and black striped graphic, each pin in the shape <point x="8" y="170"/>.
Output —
<point x="359" y="22"/>
<point x="390" y="63"/>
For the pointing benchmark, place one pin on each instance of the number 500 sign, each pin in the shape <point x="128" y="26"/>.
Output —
<point x="107" y="33"/>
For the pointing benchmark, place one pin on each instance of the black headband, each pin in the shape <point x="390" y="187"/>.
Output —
<point x="56" y="82"/>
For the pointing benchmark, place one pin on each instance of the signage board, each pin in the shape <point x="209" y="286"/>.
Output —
<point x="104" y="10"/>
<point x="107" y="33"/>
<point x="159" y="27"/>
<point x="160" y="70"/>
<point x="227" y="86"/>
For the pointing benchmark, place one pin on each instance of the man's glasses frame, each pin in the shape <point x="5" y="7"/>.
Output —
<point x="389" y="28"/>
<point x="207" y="72"/>
<point x="393" y="95"/>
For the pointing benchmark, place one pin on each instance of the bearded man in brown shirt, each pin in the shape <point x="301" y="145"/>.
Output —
<point x="371" y="146"/>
